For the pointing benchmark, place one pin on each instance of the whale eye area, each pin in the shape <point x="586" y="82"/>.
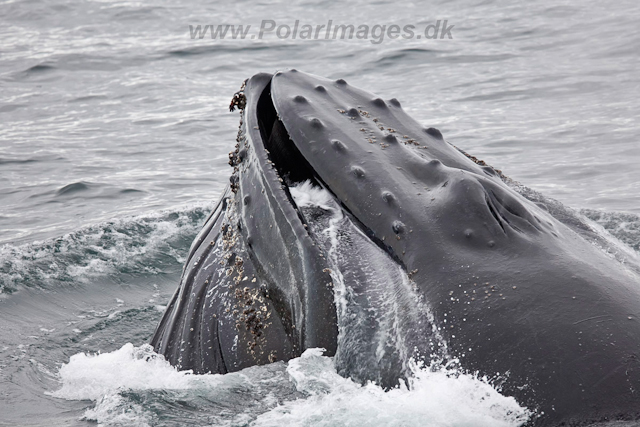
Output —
<point x="508" y="212"/>
<point x="511" y="209"/>
<point x="494" y="212"/>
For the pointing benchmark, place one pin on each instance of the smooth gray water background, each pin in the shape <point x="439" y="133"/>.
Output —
<point x="114" y="134"/>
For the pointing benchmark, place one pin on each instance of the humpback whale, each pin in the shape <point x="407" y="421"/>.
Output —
<point x="349" y="226"/>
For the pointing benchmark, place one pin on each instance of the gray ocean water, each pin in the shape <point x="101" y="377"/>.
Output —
<point x="114" y="134"/>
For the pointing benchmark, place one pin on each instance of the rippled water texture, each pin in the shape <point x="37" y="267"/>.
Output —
<point x="114" y="134"/>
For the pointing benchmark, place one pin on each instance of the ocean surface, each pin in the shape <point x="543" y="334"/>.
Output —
<point x="114" y="141"/>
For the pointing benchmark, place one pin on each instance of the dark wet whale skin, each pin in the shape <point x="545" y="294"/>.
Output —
<point x="254" y="233"/>
<point x="524" y="287"/>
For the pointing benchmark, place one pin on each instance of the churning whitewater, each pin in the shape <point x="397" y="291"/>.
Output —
<point x="133" y="385"/>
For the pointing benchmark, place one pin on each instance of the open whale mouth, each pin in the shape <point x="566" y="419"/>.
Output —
<point x="290" y="164"/>
<point x="294" y="169"/>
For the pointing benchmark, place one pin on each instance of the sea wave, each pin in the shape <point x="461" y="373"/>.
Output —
<point x="144" y="244"/>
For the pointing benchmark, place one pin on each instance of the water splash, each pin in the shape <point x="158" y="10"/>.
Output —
<point x="435" y="397"/>
<point x="133" y="385"/>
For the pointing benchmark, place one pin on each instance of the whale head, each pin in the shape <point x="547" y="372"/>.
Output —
<point x="412" y="243"/>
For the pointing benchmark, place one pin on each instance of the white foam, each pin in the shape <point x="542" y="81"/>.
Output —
<point x="93" y="376"/>
<point x="306" y="194"/>
<point x="437" y="398"/>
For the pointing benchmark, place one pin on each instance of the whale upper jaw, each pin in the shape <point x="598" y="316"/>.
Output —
<point x="384" y="168"/>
